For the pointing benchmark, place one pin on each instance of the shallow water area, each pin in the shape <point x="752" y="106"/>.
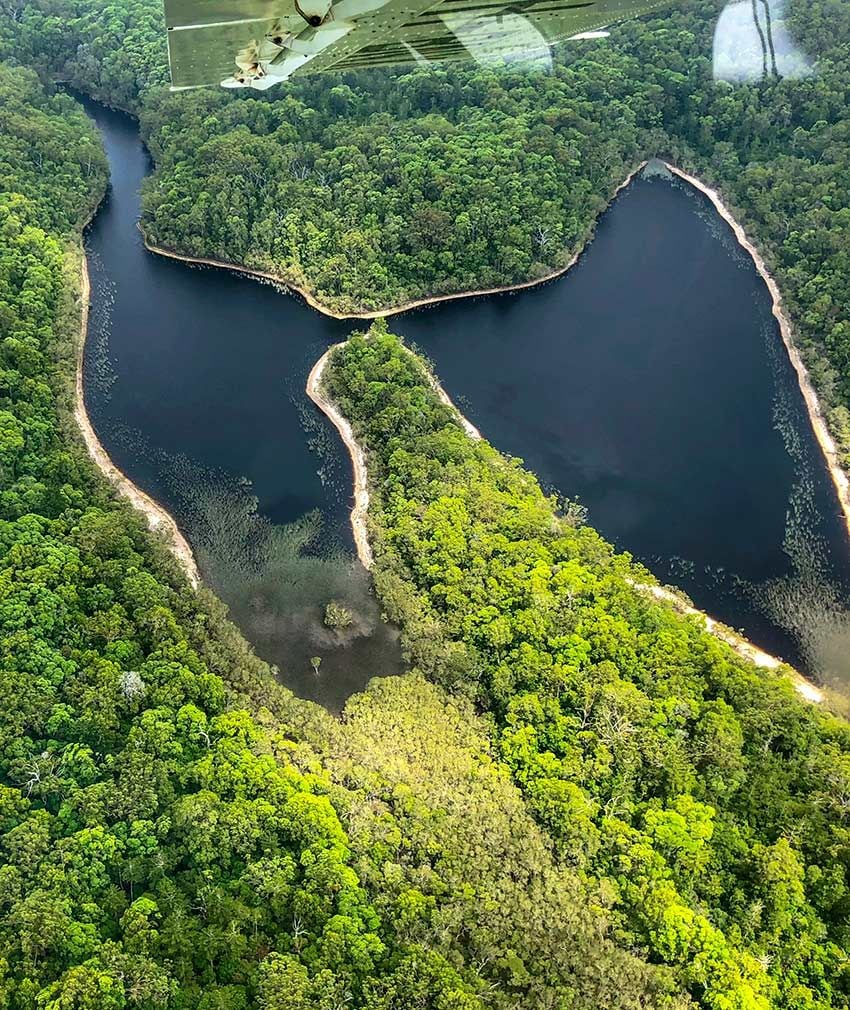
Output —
<point x="194" y="382"/>
<point x="650" y="383"/>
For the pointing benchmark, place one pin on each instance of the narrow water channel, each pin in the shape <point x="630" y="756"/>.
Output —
<point x="650" y="383"/>
<point x="194" y="382"/>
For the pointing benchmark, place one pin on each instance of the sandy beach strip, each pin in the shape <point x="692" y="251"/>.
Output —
<point x="360" y="508"/>
<point x="157" y="518"/>
<point x="737" y="642"/>
<point x="816" y="416"/>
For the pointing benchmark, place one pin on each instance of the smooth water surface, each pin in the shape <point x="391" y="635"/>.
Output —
<point x="195" y="384"/>
<point x="650" y="383"/>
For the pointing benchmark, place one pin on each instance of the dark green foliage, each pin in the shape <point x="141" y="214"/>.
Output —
<point x="47" y="154"/>
<point x="113" y="51"/>
<point x="706" y="796"/>
<point x="394" y="195"/>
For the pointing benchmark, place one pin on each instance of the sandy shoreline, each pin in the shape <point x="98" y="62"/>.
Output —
<point x="158" y="519"/>
<point x="813" y="407"/>
<point x="418" y="303"/>
<point x="739" y="644"/>
<point x="444" y="397"/>
<point x="360" y="508"/>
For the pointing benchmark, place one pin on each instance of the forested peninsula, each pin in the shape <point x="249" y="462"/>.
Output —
<point x="577" y="798"/>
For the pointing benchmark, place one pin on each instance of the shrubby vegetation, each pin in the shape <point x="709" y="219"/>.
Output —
<point x="705" y="797"/>
<point x="337" y="616"/>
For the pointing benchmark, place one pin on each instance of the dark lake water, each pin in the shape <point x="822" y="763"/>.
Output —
<point x="195" y="383"/>
<point x="650" y="383"/>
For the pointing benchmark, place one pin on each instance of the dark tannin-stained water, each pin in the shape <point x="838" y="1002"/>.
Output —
<point x="650" y="383"/>
<point x="195" y="382"/>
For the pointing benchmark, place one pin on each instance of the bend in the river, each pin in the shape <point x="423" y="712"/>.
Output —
<point x="194" y="383"/>
<point x="650" y="382"/>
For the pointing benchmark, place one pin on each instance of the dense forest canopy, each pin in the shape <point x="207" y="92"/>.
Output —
<point x="578" y="799"/>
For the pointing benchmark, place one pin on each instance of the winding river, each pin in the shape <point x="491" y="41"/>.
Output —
<point x="650" y="383"/>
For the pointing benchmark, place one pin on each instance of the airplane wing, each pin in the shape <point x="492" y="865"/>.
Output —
<point x="259" y="43"/>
